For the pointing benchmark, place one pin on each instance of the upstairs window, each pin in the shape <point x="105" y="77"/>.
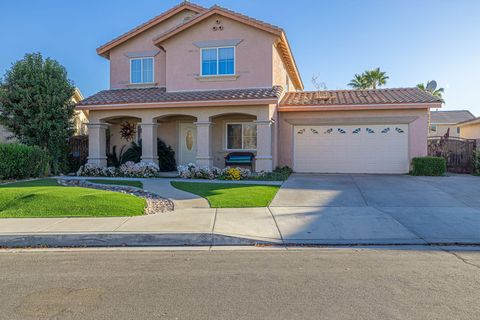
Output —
<point x="141" y="70"/>
<point x="218" y="61"/>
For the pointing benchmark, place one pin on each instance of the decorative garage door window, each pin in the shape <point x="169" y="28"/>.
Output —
<point x="354" y="131"/>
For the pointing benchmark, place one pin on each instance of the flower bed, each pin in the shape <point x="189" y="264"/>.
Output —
<point x="192" y="171"/>
<point x="128" y="170"/>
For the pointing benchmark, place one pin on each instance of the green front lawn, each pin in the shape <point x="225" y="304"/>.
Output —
<point x="128" y="183"/>
<point x="46" y="198"/>
<point x="229" y="195"/>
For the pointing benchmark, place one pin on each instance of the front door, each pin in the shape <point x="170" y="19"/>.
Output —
<point x="187" y="143"/>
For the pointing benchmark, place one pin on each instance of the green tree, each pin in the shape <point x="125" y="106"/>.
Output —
<point x="35" y="99"/>
<point x="358" y="82"/>
<point x="431" y="87"/>
<point x="369" y="79"/>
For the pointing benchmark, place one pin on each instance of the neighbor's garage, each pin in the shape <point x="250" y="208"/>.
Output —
<point x="351" y="148"/>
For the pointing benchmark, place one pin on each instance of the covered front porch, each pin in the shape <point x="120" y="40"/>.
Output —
<point x="200" y="135"/>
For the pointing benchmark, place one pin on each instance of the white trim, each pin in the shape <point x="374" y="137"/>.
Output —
<point x="218" y="74"/>
<point x="153" y="70"/>
<point x="226" y="135"/>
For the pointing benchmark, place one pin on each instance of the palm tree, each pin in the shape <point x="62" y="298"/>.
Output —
<point x="431" y="87"/>
<point x="376" y="78"/>
<point x="359" y="82"/>
<point x="369" y="79"/>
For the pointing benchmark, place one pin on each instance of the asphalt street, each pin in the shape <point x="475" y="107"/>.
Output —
<point x="378" y="283"/>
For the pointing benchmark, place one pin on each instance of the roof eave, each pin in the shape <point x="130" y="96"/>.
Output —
<point x="291" y="108"/>
<point x="214" y="10"/>
<point x="176" y="104"/>
<point x="469" y="122"/>
<point x="104" y="50"/>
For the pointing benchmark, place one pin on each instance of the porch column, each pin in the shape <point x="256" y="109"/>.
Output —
<point x="97" y="144"/>
<point x="204" y="144"/>
<point x="149" y="141"/>
<point x="264" y="160"/>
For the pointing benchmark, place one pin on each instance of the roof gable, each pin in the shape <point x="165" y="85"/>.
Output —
<point x="104" y="50"/>
<point x="282" y="43"/>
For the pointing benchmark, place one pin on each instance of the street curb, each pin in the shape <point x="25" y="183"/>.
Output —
<point x="125" y="240"/>
<point x="96" y="240"/>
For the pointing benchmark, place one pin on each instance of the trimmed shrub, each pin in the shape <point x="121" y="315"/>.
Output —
<point x="18" y="161"/>
<point x="476" y="162"/>
<point x="429" y="166"/>
<point x="279" y="174"/>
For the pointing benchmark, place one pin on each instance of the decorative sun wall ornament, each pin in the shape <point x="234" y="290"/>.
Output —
<point x="127" y="131"/>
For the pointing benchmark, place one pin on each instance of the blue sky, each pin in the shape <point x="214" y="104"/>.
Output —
<point x="413" y="41"/>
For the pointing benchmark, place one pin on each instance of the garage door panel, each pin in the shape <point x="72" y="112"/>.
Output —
<point x="351" y="149"/>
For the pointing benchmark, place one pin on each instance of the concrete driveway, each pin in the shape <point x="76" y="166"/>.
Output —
<point x="387" y="209"/>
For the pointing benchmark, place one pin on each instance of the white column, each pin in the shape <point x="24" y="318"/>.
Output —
<point x="149" y="141"/>
<point x="264" y="160"/>
<point x="97" y="144"/>
<point x="204" y="144"/>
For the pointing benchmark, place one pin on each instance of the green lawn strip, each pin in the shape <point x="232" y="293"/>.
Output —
<point x="230" y="195"/>
<point x="128" y="183"/>
<point x="46" y="198"/>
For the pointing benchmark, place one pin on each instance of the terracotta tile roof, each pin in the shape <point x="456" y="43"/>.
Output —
<point x="357" y="97"/>
<point x="452" y="116"/>
<point x="152" y="95"/>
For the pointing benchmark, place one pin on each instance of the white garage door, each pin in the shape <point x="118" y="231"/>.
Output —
<point x="351" y="149"/>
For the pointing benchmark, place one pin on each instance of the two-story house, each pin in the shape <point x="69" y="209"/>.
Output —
<point x="212" y="81"/>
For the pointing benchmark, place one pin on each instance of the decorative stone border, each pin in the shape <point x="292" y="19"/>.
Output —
<point x="155" y="203"/>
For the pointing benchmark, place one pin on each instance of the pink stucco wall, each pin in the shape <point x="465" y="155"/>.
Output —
<point x="120" y="62"/>
<point x="418" y="129"/>
<point x="253" y="56"/>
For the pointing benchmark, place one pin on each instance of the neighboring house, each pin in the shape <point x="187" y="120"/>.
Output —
<point x="79" y="122"/>
<point x="441" y="121"/>
<point x="470" y="129"/>
<point x="209" y="82"/>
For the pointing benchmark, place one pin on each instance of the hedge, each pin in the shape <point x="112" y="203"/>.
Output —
<point x="429" y="166"/>
<point x="18" y="161"/>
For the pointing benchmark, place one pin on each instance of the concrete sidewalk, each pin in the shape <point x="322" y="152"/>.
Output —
<point x="199" y="226"/>
<point x="249" y="226"/>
